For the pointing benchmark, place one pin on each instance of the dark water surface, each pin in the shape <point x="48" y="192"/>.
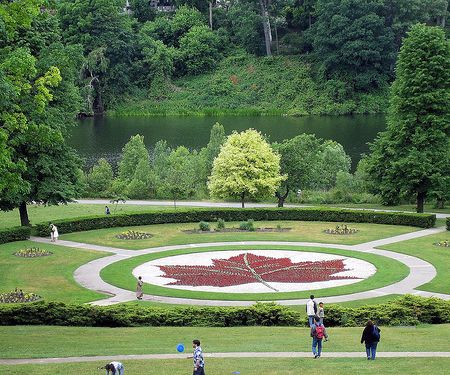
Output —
<point x="105" y="137"/>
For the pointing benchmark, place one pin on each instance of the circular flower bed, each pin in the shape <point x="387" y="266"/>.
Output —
<point x="133" y="235"/>
<point x="32" y="252"/>
<point x="18" y="296"/>
<point x="445" y="243"/>
<point x="341" y="229"/>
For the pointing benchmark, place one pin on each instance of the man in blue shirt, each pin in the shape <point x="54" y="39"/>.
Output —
<point x="199" y="363"/>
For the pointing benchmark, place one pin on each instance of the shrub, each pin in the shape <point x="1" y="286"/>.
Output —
<point x="407" y="310"/>
<point x="236" y="214"/>
<point x="204" y="226"/>
<point x="247" y="225"/>
<point x="15" y="234"/>
<point x="448" y="223"/>
<point x="220" y="224"/>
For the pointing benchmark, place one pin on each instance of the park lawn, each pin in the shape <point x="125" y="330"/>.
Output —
<point x="388" y="272"/>
<point x="55" y="341"/>
<point x="425" y="249"/>
<point x="51" y="277"/>
<point x="40" y="213"/>
<point x="401" y="207"/>
<point x="172" y="234"/>
<point x="249" y="366"/>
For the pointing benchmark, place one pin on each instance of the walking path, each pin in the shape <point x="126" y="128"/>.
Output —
<point x="421" y="272"/>
<point x="130" y="357"/>
<point x="228" y="204"/>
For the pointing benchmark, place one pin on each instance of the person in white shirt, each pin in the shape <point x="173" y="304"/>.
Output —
<point x="116" y="368"/>
<point x="53" y="232"/>
<point x="311" y="310"/>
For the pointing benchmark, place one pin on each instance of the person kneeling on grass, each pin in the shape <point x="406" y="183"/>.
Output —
<point x="371" y="336"/>
<point x="318" y="332"/>
<point x="116" y="368"/>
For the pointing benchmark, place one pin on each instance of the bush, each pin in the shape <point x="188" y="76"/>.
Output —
<point x="220" y="224"/>
<point x="247" y="225"/>
<point x="235" y="214"/>
<point x="407" y="310"/>
<point x="15" y="234"/>
<point x="204" y="226"/>
<point x="448" y="223"/>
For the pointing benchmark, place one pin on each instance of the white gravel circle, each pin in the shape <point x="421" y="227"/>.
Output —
<point x="152" y="274"/>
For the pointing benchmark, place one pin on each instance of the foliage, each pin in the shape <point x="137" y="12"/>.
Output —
<point x="220" y="224"/>
<point x="18" y="296"/>
<point x="247" y="225"/>
<point x="245" y="167"/>
<point x="14" y="234"/>
<point x="447" y="221"/>
<point x="351" y="40"/>
<point x="204" y="226"/>
<point x="99" y="179"/>
<point x="132" y="154"/>
<point x="407" y="310"/>
<point x="234" y="214"/>
<point x="412" y="156"/>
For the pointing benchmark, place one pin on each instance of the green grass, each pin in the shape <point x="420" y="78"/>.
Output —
<point x="51" y="277"/>
<point x="259" y="366"/>
<point x="247" y="85"/>
<point x="44" y="341"/>
<point x="400" y="207"/>
<point x="172" y="234"/>
<point x="438" y="256"/>
<point x="40" y="213"/>
<point x="388" y="272"/>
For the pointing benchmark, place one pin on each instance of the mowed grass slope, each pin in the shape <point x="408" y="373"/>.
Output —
<point x="250" y="366"/>
<point x="173" y="234"/>
<point x="425" y="249"/>
<point x="51" y="277"/>
<point x="44" y="341"/>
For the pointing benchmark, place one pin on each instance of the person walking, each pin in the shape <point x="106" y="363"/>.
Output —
<point x="53" y="233"/>
<point x="321" y="312"/>
<point x="311" y="310"/>
<point x="199" y="363"/>
<point x="139" y="292"/>
<point x="107" y="210"/>
<point x="318" y="333"/>
<point x="371" y="337"/>
<point x="116" y="368"/>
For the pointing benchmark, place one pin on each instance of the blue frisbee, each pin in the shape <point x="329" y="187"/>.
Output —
<point x="180" y="348"/>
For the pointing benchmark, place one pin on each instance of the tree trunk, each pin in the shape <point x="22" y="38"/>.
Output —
<point x="242" y="199"/>
<point x="276" y="38"/>
<point x="444" y="16"/>
<point x="210" y="15"/>
<point x="440" y="203"/>
<point x="420" y="201"/>
<point x="281" y="198"/>
<point x="24" y="220"/>
<point x="266" y="26"/>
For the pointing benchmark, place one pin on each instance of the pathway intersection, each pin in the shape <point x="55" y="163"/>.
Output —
<point x="421" y="272"/>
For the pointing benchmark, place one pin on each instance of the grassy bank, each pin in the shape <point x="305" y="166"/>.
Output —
<point x="247" y="85"/>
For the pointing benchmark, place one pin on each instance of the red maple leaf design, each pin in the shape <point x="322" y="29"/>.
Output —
<point x="250" y="268"/>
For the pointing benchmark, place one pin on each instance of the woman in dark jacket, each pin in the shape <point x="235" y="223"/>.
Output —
<point x="371" y="336"/>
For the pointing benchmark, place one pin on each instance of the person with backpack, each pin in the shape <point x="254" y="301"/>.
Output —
<point x="318" y="332"/>
<point x="371" y="337"/>
<point x="311" y="310"/>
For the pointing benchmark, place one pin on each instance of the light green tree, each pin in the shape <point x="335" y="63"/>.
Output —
<point x="132" y="154"/>
<point x="99" y="179"/>
<point x="411" y="158"/>
<point x="246" y="167"/>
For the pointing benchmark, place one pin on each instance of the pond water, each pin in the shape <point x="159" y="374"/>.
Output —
<point x="104" y="137"/>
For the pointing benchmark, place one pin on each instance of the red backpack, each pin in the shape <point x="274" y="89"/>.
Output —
<point x="320" y="332"/>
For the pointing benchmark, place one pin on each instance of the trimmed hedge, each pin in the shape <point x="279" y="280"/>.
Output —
<point x="14" y="234"/>
<point x="236" y="214"/>
<point x="448" y="223"/>
<point x="407" y="310"/>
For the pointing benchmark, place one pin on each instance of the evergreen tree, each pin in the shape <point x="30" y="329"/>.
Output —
<point x="411" y="158"/>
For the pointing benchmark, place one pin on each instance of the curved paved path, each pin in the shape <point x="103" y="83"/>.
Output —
<point x="131" y="357"/>
<point x="421" y="272"/>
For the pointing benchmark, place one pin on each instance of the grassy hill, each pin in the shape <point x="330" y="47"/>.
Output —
<point x="247" y="85"/>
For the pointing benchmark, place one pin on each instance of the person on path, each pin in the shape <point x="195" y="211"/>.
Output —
<point x="199" y="363"/>
<point x="371" y="337"/>
<point x="139" y="292"/>
<point x="53" y="233"/>
<point x="321" y="312"/>
<point x="318" y="332"/>
<point x="116" y="368"/>
<point x="311" y="310"/>
<point x="107" y="211"/>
